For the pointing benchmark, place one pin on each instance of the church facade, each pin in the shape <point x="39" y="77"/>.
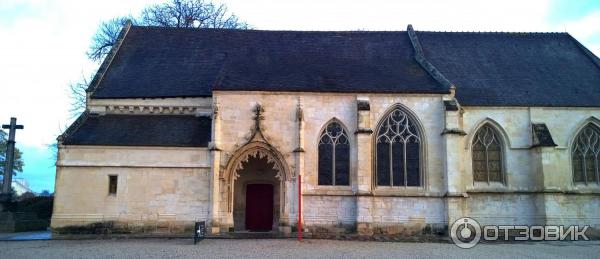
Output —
<point x="375" y="133"/>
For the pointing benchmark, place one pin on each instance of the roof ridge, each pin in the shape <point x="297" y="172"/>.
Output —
<point x="497" y="32"/>
<point x="347" y="31"/>
<point x="267" y="30"/>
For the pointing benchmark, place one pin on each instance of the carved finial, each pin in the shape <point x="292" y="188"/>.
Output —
<point x="258" y="110"/>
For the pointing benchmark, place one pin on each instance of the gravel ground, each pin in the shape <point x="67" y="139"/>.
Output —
<point x="286" y="248"/>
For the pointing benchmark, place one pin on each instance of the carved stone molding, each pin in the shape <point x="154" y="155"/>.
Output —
<point x="147" y="109"/>
<point x="258" y="149"/>
<point x="257" y="145"/>
<point x="260" y="154"/>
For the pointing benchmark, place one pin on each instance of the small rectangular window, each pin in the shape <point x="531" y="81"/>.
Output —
<point x="112" y="184"/>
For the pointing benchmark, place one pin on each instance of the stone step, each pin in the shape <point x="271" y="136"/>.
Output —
<point x="249" y="235"/>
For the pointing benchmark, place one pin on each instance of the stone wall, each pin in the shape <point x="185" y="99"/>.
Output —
<point x="160" y="190"/>
<point x="539" y="188"/>
<point x="531" y="173"/>
<point x="329" y="211"/>
<point x="506" y="208"/>
<point x="173" y="187"/>
<point x="279" y="126"/>
<point x="573" y="210"/>
<point x="337" y="208"/>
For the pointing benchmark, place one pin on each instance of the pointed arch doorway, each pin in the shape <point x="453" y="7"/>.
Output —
<point x="256" y="195"/>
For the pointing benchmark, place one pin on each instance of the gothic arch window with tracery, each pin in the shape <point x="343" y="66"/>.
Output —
<point x="487" y="155"/>
<point x="586" y="155"/>
<point x="334" y="155"/>
<point x="398" y="150"/>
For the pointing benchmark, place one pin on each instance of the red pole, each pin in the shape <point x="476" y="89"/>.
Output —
<point x="299" y="208"/>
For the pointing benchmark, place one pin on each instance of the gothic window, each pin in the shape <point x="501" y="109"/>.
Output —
<point x="334" y="155"/>
<point x="487" y="155"/>
<point x="398" y="151"/>
<point x="586" y="155"/>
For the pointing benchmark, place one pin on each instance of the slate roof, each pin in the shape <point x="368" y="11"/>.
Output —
<point x="139" y="130"/>
<point x="175" y="62"/>
<point x="488" y="69"/>
<point x="515" y="69"/>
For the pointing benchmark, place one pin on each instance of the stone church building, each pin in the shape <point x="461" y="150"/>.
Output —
<point x="393" y="133"/>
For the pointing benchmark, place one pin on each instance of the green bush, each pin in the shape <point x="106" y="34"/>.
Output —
<point x="40" y="206"/>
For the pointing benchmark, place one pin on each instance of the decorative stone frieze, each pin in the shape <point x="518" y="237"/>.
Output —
<point x="142" y="109"/>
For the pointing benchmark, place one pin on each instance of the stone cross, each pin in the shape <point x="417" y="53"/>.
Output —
<point x="10" y="155"/>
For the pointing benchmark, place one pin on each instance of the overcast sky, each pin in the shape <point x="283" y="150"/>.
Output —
<point x="43" y="44"/>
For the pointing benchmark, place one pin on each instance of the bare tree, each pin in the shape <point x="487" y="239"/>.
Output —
<point x="78" y="95"/>
<point x="176" y="13"/>
<point x="190" y="13"/>
<point x="105" y="37"/>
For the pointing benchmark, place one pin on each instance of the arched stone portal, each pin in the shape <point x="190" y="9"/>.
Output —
<point x="259" y="169"/>
<point x="256" y="170"/>
<point x="256" y="195"/>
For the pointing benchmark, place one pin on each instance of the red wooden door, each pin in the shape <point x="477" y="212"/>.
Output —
<point x="259" y="207"/>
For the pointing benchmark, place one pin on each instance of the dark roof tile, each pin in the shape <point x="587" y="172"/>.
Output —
<point x="488" y="69"/>
<point x="515" y="69"/>
<point x="175" y="62"/>
<point x="140" y="130"/>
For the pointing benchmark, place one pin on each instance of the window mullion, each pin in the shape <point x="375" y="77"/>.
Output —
<point x="597" y="170"/>
<point x="487" y="165"/>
